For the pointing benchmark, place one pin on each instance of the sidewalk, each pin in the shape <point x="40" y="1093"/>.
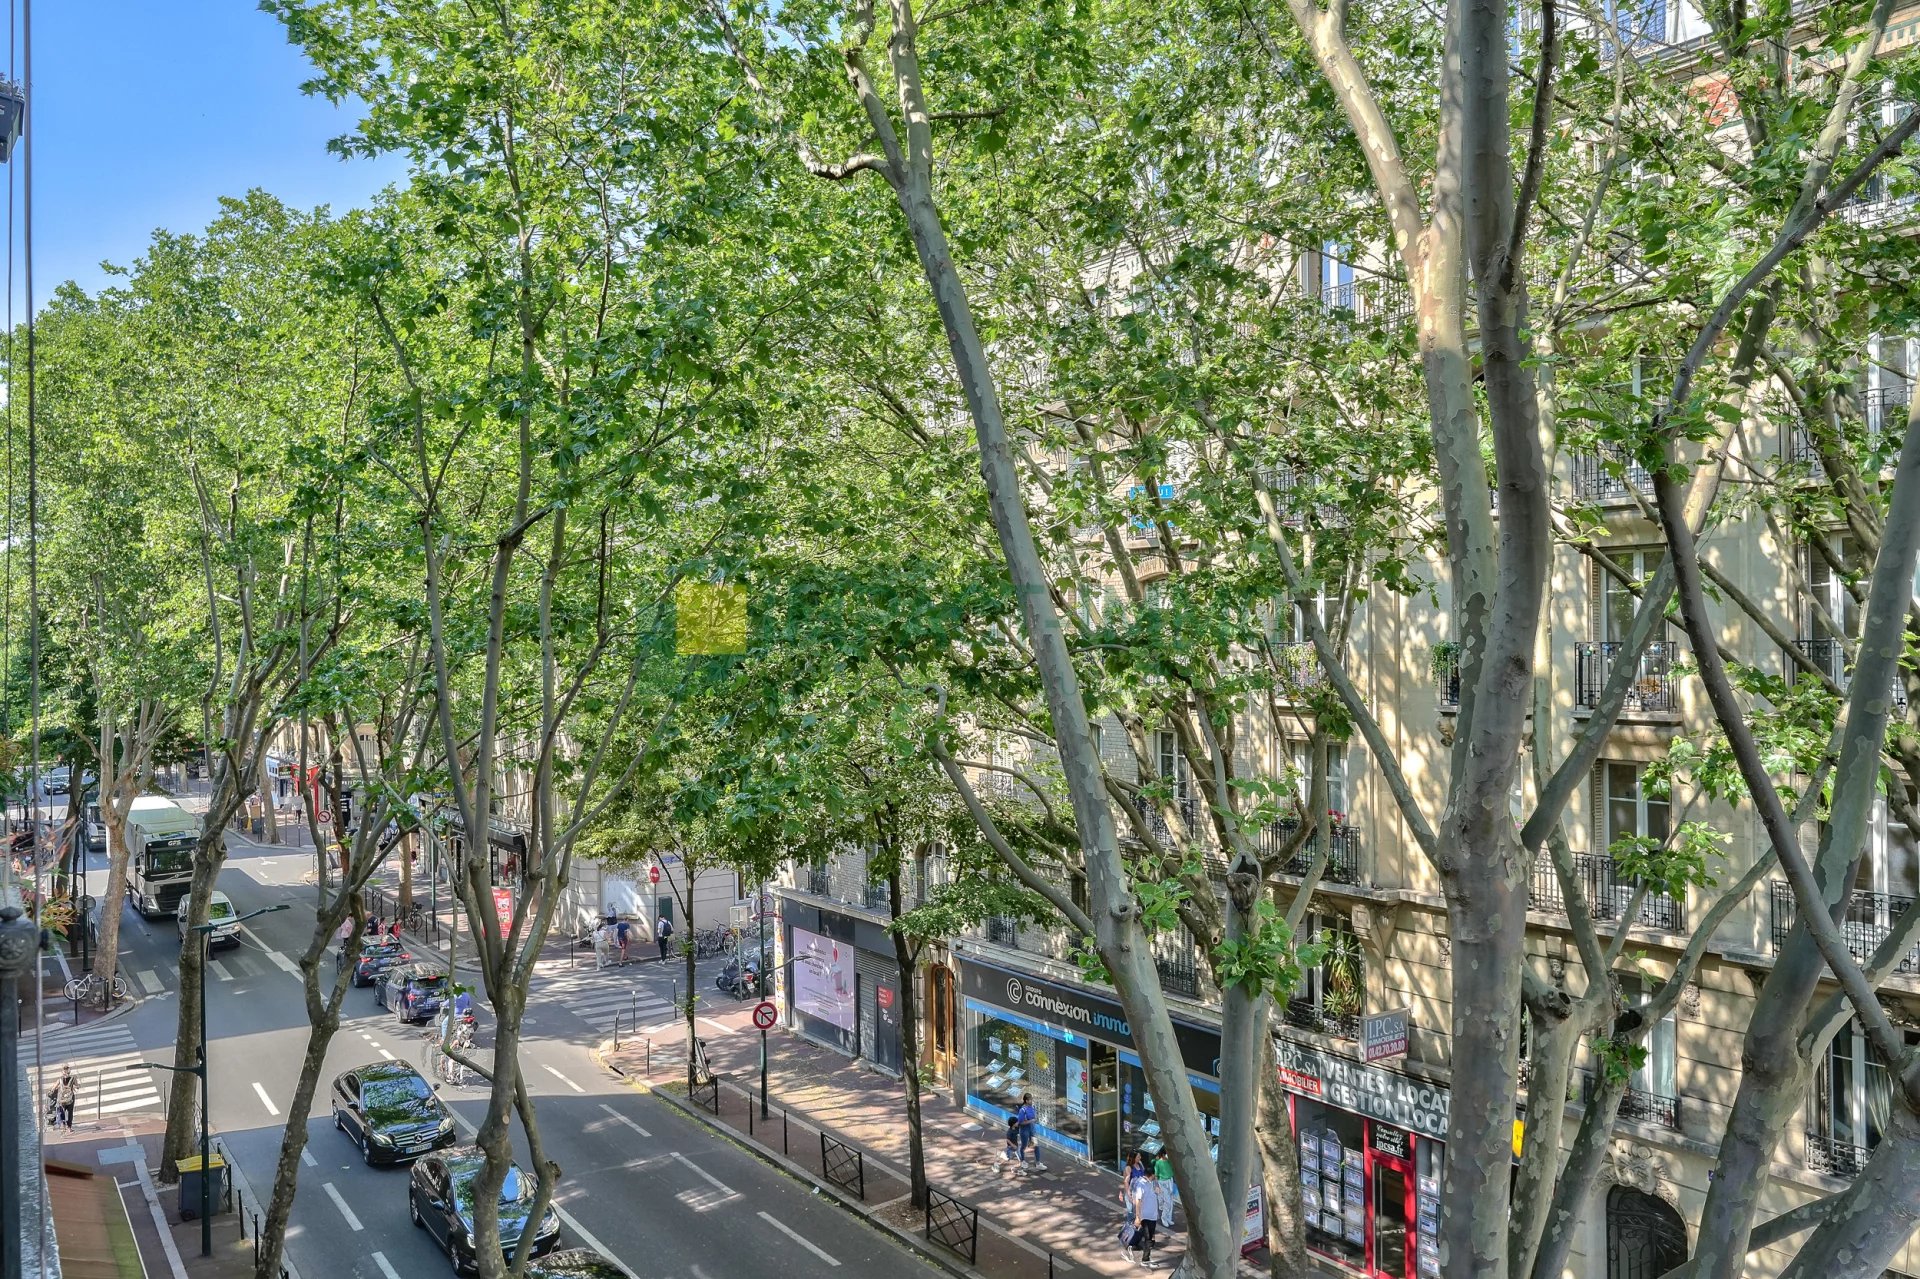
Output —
<point x="168" y="1247"/>
<point x="1060" y="1221"/>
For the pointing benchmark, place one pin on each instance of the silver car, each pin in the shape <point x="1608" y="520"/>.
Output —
<point x="221" y="914"/>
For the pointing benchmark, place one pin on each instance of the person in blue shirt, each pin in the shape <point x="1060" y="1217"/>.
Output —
<point x="1028" y="1118"/>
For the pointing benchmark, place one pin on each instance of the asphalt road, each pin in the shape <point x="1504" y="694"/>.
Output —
<point x="641" y="1182"/>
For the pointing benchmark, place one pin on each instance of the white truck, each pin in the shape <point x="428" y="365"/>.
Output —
<point x="161" y="839"/>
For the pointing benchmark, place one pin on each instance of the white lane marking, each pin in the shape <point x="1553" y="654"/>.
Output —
<point x="341" y="1204"/>
<point x="562" y="1078"/>
<point x="306" y="1157"/>
<point x="280" y="961"/>
<point x="799" y="1238"/>
<point x="364" y="1035"/>
<point x="718" y="1029"/>
<point x="710" y="1179"/>
<point x="389" y="1056"/>
<point x="623" y="1119"/>
<point x="467" y="1127"/>
<point x="380" y="1260"/>
<point x="150" y="981"/>
<point x="266" y="1100"/>
<point x="585" y="1236"/>
<point x="219" y="970"/>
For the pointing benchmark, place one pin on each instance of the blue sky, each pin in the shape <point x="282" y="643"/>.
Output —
<point x="148" y="111"/>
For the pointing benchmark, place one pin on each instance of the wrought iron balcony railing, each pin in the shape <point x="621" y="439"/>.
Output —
<point x="1343" y="853"/>
<point x="1310" y="1014"/>
<point x="1870" y="918"/>
<point x="1608" y="475"/>
<point x="1829" y="656"/>
<point x="1653" y="682"/>
<point x="1608" y="893"/>
<point x="1834" y="1157"/>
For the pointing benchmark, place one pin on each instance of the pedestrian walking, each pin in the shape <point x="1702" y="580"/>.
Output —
<point x="1029" y="1119"/>
<point x="1146" y="1218"/>
<point x="662" y="930"/>
<point x="602" y="945"/>
<point x="63" y="1094"/>
<point x="1136" y="1168"/>
<point x="623" y="934"/>
<point x="1013" y="1139"/>
<point x="1163" y="1187"/>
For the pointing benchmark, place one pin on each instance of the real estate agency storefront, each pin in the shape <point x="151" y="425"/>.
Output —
<point x="1070" y="1047"/>
<point x="1372" y="1159"/>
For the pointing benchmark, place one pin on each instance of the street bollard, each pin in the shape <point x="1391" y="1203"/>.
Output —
<point x="783" y="1132"/>
<point x="99" y="1088"/>
<point x="649" y="1059"/>
<point x="749" y="1111"/>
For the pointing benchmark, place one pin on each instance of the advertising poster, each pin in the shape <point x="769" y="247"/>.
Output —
<point x="823" y="985"/>
<point x="1077" y="1087"/>
<point x="503" y="909"/>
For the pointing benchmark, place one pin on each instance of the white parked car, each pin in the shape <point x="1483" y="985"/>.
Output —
<point x="221" y="914"/>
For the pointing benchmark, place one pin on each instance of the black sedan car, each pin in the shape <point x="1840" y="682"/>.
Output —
<point x="413" y="991"/>
<point x="391" y="1111"/>
<point x="377" y="955"/>
<point x="440" y="1201"/>
<point x="577" y="1263"/>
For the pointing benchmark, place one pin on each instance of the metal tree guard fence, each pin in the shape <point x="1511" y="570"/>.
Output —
<point x="843" y="1165"/>
<point x="952" y="1224"/>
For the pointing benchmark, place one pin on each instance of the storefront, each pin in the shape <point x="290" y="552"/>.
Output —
<point x="1071" y="1050"/>
<point x="846" y="992"/>
<point x="1372" y="1158"/>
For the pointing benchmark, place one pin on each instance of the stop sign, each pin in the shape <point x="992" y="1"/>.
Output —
<point x="653" y="874"/>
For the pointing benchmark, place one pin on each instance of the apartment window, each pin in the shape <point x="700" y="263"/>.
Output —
<point x="1336" y="775"/>
<point x="1332" y="995"/>
<point x="1828" y="592"/>
<point x="1892" y="362"/>
<point x="1336" y="274"/>
<point x="1639" y="23"/>
<point x="1630" y="810"/>
<point x="1655" y="1078"/>
<point x="1891" y="867"/>
<point x="1171" y="763"/>
<point x="1852" y="1099"/>
<point x="1618" y="603"/>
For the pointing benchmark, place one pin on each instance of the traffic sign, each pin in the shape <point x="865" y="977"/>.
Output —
<point x="653" y="874"/>
<point x="326" y="817"/>
<point x="765" y="1014"/>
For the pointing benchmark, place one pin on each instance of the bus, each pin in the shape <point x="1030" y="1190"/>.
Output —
<point x="161" y="839"/>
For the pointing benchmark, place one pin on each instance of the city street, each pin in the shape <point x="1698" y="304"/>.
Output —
<point x="641" y="1182"/>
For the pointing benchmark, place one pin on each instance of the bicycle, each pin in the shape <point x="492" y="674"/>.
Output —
<point x="413" y="918"/>
<point x="92" y="988"/>
<point x="709" y="942"/>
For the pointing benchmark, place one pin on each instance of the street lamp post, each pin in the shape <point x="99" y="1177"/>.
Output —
<point x="206" y="1171"/>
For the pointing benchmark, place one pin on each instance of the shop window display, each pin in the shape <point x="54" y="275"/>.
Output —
<point x="1007" y="1058"/>
<point x="1139" y="1120"/>
<point x="1333" y="1197"/>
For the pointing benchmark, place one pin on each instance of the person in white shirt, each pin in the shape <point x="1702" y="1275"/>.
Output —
<point x="1146" y="1218"/>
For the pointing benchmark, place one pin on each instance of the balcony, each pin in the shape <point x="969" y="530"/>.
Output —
<point x="1885" y="408"/>
<point x="1608" y="475"/>
<point x="1003" y="931"/>
<point x="879" y="897"/>
<point x="1343" y="856"/>
<point x="1653" y="685"/>
<point x="820" y="880"/>
<point x="1185" y="803"/>
<point x="1829" y="656"/>
<point x="1650" y="1108"/>
<point x="1284" y="482"/>
<point x="1176" y="958"/>
<point x="1870" y="918"/>
<point x="1875" y="208"/>
<point x="1298" y="665"/>
<point x="1305" y="1013"/>
<point x="1835" y="1158"/>
<point x="1446" y="678"/>
<point x="1370" y="298"/>
<point x="1607" y="894"/>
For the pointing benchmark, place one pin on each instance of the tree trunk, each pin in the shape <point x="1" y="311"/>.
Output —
<point x="270" y="831"/>
<point x="112" y="901"/>
<point x="293" y="1140"/>
<point x="906" y="961"/>
<point x="183" y="1102"/>
<point x="1280" y="1179"/>
<point x="406" y="871"/>
<point x="688" y="958"/>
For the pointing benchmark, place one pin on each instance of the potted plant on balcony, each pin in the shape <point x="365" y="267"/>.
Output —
<point x="1444" y="659"/>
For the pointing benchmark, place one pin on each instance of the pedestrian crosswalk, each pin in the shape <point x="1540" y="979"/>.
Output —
<point x="598" y="997"/>
<point x="100" y="1056"/>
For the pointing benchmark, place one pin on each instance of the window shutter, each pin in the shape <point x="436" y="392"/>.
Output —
<point x="1597" y="826"/>
<point x="1596" y="602"/>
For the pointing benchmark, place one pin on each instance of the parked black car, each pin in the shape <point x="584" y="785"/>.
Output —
<point x="577" y="1263"/>
<point x="413" y="991"/>
<point x="377" y="955"/>
<point x="440" y="1201"/>
<point x="391" y="1111"/>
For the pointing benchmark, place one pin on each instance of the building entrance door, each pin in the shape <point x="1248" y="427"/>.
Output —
<point x="1390" y="1218"/>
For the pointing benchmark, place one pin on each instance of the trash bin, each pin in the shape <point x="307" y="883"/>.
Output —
<point x="190" y="1175"/>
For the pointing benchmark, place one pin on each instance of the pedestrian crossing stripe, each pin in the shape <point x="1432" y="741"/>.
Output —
<point x="111" y="1075"/>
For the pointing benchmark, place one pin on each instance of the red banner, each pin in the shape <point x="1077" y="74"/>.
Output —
<point x="503" y="909"/>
